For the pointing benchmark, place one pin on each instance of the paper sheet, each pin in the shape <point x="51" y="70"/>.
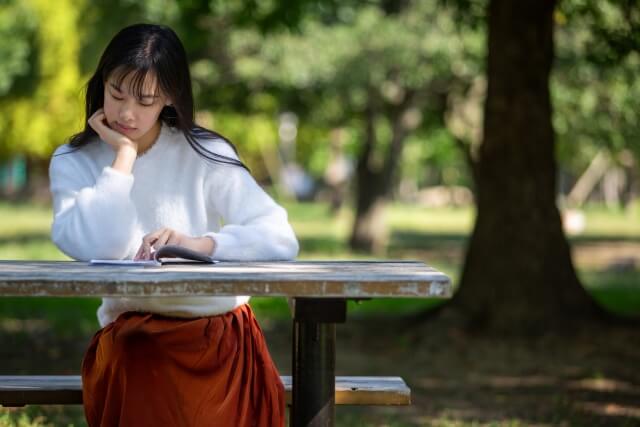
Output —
<point x="127" y="262"/>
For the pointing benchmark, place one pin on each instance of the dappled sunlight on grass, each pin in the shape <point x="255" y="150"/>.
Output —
<point x="457" y="221"/>
<point x="619" y="224"/>
<point x="615" y="291"/>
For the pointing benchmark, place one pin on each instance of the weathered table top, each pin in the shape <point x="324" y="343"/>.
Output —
<point x="342" y="279"/>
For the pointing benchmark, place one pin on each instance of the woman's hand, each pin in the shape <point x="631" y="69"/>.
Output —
<point x="116" y="140"/>
<point x="166" y="236"/>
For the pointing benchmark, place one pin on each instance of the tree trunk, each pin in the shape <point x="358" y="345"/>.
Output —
<point x="518" y="274"/>
<point x="375" y="184"/>
<point x="367" y="233"/>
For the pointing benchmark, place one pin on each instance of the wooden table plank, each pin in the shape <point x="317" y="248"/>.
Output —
<point x="347" y="279"/>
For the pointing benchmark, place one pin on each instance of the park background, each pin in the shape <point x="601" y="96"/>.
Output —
<point x="494" y="140"/>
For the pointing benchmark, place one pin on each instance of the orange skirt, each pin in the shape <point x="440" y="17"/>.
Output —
<point x="148" y="370"/>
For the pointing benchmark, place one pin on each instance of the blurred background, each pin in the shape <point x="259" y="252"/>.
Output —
<point x="372" y="123"/>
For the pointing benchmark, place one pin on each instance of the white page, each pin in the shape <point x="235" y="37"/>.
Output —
<point x="128" y="262"/>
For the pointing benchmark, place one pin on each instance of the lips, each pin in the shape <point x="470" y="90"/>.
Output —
<point x="124" y="128"/>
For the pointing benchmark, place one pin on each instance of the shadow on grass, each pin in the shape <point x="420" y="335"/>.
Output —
<point x="420" y="240"/>
<point x="426" y="241"/>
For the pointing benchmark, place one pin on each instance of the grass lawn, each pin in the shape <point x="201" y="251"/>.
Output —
<point x="435" y="236"/>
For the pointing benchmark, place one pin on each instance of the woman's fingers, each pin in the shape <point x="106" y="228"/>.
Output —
<point x="96" y="121"/>
<point x="156" y="240"/>
<point x="140" y="254"/>
<point x="137" y="255"/>
<point x="149" y="240"/>
<point x="162" y="239"/>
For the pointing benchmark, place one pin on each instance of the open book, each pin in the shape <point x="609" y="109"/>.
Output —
<point x="169" y="254"/>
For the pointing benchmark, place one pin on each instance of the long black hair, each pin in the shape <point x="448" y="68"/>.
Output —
<point x="137" y="50"/>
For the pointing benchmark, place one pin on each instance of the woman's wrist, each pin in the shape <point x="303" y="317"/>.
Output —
<point x="208" y="244"/>
<point x="204" y="244"/>
<point x="125" y="158"/>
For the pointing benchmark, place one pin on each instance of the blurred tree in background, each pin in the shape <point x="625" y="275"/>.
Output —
<point x="376" y="70"/>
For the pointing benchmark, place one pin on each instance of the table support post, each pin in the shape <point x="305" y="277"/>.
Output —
<point x="314" y="358"/>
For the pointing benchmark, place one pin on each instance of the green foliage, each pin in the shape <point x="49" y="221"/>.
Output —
<point x="613" y="24"/>
<point x="35" y="121"/>
<point x="330" y="72"/>
<point x="17" y="28"/>
<point x="387" y="55"/>
<point x="597" y="105"/>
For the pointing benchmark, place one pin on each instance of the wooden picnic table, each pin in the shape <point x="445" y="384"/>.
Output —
<point x="318" y="290"/>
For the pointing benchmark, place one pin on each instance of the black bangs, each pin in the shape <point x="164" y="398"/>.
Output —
<point x="137" y="82"/>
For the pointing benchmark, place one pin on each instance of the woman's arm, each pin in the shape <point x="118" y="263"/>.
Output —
<point x="256" y="228"/>
<point x="90" y="219"/>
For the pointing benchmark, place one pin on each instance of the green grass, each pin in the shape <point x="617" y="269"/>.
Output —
<point x="616" y="224"/>
<point x="615" y="291"/>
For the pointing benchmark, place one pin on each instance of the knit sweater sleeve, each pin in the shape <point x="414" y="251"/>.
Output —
<point x="255" y="227"/>
<point x="92" y="218"/>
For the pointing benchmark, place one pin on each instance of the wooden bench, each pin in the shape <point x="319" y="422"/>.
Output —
<point x="23" y="390"/>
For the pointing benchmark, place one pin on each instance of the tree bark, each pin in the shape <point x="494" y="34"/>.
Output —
<point x="367" y="233"/>
<point x="518" y="274"/>
<point x="374" y="185"/>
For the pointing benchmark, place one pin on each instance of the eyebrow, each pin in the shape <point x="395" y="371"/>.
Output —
<point x="143" y="96"/>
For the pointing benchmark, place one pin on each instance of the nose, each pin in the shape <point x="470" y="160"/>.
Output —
<point x="126" y="114"/>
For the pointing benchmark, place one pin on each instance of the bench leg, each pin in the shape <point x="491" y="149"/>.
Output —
<point x="314" y="359"/>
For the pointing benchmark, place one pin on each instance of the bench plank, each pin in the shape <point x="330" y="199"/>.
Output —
<point x="20" y="390"/>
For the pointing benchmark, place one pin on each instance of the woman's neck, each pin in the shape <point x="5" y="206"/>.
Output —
<point x="148" y="139"/>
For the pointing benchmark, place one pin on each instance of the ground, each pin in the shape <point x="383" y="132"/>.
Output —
<point x="587" y="379"/>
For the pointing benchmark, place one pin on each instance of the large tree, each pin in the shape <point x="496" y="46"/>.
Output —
<point x="518" y="273"/>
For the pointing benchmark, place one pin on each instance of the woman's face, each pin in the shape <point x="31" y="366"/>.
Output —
<point x="136" y="118"/>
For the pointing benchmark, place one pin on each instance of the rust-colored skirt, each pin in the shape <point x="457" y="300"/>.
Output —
<point x="149" y="370"/>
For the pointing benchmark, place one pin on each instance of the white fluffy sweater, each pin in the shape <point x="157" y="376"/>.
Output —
<point x="100" y="212"/>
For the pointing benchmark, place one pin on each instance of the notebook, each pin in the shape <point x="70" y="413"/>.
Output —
<point x="169" y="254"/>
